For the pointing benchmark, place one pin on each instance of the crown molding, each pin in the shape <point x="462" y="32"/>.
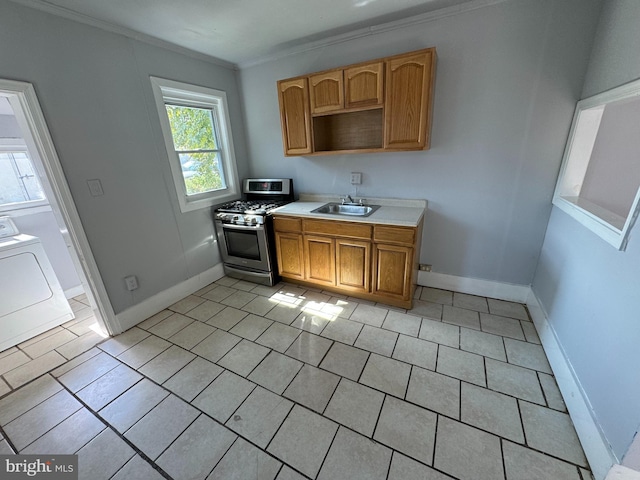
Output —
<point x="373" y="30"/>
<point x="119" y="30"/>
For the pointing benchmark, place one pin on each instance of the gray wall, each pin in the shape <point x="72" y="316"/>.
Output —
<point x="94" y="89"/>
<point x="588" y="289"/>
<point x="508" y="77"/>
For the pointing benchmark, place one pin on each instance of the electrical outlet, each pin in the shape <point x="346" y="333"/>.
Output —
<point x="425" y="268"/>
<point x="131" y="282"/>
<point x="356" y="178"/>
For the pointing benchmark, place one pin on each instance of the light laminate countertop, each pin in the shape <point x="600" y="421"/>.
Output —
<point x="392" y="211"/>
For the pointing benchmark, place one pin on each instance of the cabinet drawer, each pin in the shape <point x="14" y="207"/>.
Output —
<point x="401" y="235"/>
<point x="337" y="229"/>
<point x="285" y="224"/>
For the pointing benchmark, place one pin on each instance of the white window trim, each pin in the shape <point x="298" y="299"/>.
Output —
<point x="168" y="91"/>
<point x="609" y="226"/>
<point x="18" y="145"/>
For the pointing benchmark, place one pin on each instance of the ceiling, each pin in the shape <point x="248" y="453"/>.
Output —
<point x="241" y="31"/>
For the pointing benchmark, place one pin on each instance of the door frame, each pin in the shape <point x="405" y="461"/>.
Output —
<point x="23" y="99"/>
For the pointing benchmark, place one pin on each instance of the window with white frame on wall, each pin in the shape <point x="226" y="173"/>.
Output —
<point x="197" y="135"/>
<point x="19" y="183"/>
<point x="599" y="180"/>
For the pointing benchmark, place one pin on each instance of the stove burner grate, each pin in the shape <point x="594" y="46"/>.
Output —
<point x="250" y="207"/>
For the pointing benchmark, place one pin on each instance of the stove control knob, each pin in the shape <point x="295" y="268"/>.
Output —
<point x="253" y="221"/>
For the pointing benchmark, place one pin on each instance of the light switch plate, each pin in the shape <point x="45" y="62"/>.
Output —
<point x="95" y="187"/>
<point x="356" y="178"/>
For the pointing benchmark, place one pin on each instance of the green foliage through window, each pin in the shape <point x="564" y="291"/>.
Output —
<point x="194" y="138"/>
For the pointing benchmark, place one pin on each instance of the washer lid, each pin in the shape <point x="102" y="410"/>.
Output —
<point x="7" y="227"/>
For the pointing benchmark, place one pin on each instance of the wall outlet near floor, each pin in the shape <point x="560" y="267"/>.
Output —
<point x="131" y="282"/>
<point x="425" y="268"/>
<point x="356" y="178"/>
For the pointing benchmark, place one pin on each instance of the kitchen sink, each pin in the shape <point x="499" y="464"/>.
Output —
<point x="354" y="210"/>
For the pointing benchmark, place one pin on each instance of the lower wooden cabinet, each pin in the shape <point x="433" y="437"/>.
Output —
<point x="353" y="265"/>
<point x="319" y="256"/>
<point x="290" y="255"/>
<point x="393" y="266"/>
<point x="344" y="263"/>
<point x="368" y="261"/>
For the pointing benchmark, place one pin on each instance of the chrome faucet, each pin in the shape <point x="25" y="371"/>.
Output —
<point x="357" y="201"/>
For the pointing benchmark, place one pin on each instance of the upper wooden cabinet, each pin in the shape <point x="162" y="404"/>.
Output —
<point x="295" y="117"/>
<point x="363" y="85"/>
<point x="347" y="89"/>
<point x="380" y="105"/>
<point x="409" y="89"/>
<point x="326" y="92"/>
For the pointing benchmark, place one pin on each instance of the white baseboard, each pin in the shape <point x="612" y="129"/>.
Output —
<point x="74" y="292"/>
<point x="475" y="286"/>
<point x="143" y="310"/>
<point x="594" y="443"/>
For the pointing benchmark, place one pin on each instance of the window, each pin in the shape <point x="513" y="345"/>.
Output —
<point x="599" y="181"/>
<point x="19" y="183"/>
<point x="197" y="134"/>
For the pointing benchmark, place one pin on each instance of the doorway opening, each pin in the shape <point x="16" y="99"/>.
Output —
<point x="35" y="184"/>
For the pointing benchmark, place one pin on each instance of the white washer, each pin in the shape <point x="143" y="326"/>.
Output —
<point x="31" y="299"/>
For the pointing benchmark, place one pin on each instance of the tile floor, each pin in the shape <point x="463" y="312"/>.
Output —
<point x="240" y="381"/>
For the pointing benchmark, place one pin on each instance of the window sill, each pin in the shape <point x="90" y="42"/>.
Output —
<point x="609" y="226"/>
<point x="197" y="204"/>
<point x="14" y="211"/>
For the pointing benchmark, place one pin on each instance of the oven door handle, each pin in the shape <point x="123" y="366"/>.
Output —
<point x="231" y="226"/>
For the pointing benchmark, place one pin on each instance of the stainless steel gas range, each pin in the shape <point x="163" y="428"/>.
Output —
<point x="245" y="229"/>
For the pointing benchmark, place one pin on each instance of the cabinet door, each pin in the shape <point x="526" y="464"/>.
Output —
<point x="293" y="96"/>
<point x="320" y="257"/>
<point x="392" y="271"/>
<point x="327" y="92"/>
<point x="353" y="264"/>
<point x="408" y="93"/>
<point x="289" y="251"/>
<point x="363" y="85"/>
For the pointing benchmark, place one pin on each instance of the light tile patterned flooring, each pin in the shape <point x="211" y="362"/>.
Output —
<point x="241" y="381"/>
